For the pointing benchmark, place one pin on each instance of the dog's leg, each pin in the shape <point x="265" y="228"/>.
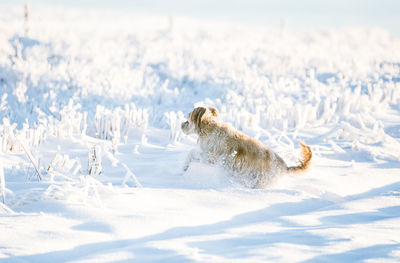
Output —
<point x="194" y="155"/>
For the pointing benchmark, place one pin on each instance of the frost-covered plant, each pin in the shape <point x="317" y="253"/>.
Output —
<point x="32" y="136"/>
<point x="62" y="166"/>
<point x="12" y="139"/>
<point x="11" y="142"/>
<point x="71" y="121"/>
<point x="240" y="119"/>
<point x="8" y="141"/>
<point x="94" y="161"/>
<point x="107" y="123"/>
<point x="174" y="120"/>
<point x="114" y="125"/>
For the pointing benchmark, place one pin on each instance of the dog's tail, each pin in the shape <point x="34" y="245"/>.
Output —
<point x="305" y="160"/>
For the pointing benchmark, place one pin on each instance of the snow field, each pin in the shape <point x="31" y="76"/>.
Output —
<point x="91" y="103"/>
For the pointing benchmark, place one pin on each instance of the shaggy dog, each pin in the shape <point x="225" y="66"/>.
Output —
<point x="249" y="160"/>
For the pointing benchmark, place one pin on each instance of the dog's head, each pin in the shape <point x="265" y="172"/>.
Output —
<point x="197" y="118"/>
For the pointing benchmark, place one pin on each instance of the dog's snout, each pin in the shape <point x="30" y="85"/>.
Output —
<point x="184" y="125"/>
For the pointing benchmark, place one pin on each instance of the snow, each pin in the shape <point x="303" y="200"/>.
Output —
<point x="91" y="103"/>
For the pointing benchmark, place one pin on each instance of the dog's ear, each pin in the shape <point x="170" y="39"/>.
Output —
<point x="214" y="111"/>
<point x="196" y="116"/>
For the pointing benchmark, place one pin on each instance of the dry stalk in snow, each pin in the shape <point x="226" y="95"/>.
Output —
<point x="94" y="162"/>
<point x="32" y="159"/>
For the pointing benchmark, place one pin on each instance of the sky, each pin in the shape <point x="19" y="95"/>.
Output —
<point x="304" y="13"/>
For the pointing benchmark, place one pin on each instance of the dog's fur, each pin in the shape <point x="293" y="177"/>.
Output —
<point x="248" y="159"/>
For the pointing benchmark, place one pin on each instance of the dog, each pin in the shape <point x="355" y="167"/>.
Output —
<point x="249" y="160"/>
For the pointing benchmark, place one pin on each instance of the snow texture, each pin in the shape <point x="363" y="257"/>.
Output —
<point x="92" y="155"/>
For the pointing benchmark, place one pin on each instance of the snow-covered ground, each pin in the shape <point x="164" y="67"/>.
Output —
<point x="91" y="103"/>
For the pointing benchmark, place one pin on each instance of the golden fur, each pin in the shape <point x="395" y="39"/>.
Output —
<point x="248" y="159"/>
